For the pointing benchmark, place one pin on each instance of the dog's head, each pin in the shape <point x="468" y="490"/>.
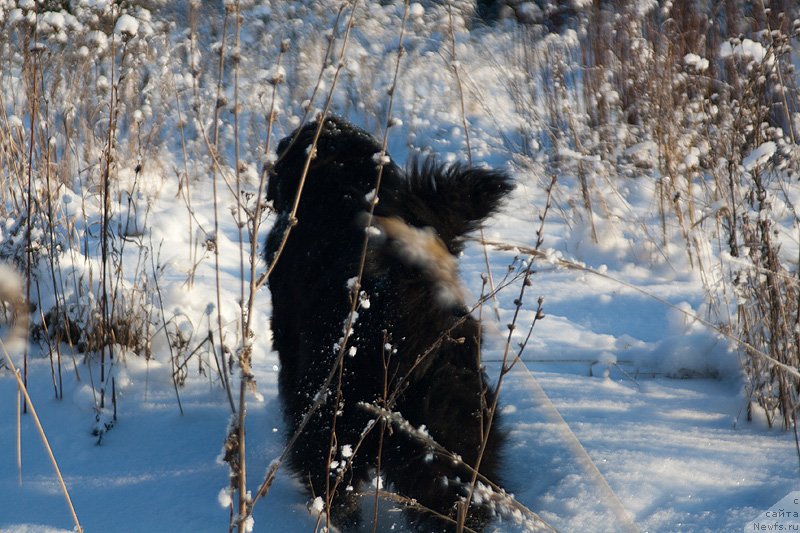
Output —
<point x="345" y="161"/>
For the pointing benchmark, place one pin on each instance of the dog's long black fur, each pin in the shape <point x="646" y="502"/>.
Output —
<point x="415" y="332"/>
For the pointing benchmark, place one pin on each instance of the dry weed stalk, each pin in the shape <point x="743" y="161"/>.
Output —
<point x="214" y="149"/>
<point x="506" y="365"/>
<point x="721" y="330"/>
<point x="246" y="506"/>
<point x="356" y="286"/>
<point x="456" y="68"/>
<point x="29" y="196"/>
<point x="11" y="296"/>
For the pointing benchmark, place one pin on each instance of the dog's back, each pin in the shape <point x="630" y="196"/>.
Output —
<point x="412" y="336"/>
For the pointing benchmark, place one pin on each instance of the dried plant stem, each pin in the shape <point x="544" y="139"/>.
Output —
<point x="218" y="104"/>
<point x="382" y="430"/>
<point x="402" y="382"/>
<point x="338" y="364"/>
<point x="779" y="71"/>
<point x="401" y="424"/>
<point x="38" y="423"/>
<point x="106" y="333"/>
<point x="19" y="433"/>
<point x="255" y="284"/>
<point x="185" y="181"/>
<point x="29" y="204"/>
<point x="246" y="377"/>
<point x="505" y="367"/>
<point x="387" y="354"/>
<point x="454" y="64"/>
<point x="255" y="220"/>
<point x="317" y="133"/>
<point x="164" y="324"/>
<point x="53" y="258"/>
<point x="572" y="265"/>
<point x="104" y="234"/>
<point x="414" y="504"/>
<point x="354" y="299"/>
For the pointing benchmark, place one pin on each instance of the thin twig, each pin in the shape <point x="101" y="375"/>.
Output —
<point x="315" y="140"/>
<point x="164" y="324"/>
<point x="455" y="65"/>
<point x="38" y="423"/>
<point x="573" y="265"/>
<point x="401" y="424"/>
<point x="267" y="483"/>
<point x="505" y="368"/>
<point x="215" y="168"/>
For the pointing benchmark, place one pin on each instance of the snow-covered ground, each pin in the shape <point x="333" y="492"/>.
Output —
<point x="626" y="411"/>
<point x="614" y="420"/>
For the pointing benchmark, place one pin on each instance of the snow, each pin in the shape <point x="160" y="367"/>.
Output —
<point x="126" y="24"/>
<point x="318" y="505"/>
<point x="746" y="48"/>
<point x="14" y="123"/>
<point x="53" y="20"/>
<point x="381" y="159"/>
<point x="759" y="155"/>
<point x="626" y="408"/>
<point x="700" y="64"/>
<point x="416" y="10"/>
<point x="225" y="499"/>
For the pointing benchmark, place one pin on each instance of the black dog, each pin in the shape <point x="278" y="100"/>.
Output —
<point x="414" y="349"/>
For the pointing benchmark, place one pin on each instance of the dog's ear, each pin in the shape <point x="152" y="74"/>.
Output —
<point x="454" y="200"/>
